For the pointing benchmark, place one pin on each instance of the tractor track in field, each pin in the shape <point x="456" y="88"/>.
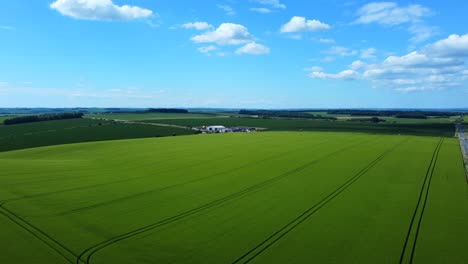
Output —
<point x="246" y="165"/>
<point x="87" y="254"/>
<point x="273" y="238"/>
<point x="55" y="245"/>
<point x="195" y="164"/>
<point x="92" y="169"/>
<point x="104" y="183"/>
<point x="409" y="248"/>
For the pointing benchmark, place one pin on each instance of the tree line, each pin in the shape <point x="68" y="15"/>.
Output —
<point x="166" y="110"/>
<point x="39" y="118"/>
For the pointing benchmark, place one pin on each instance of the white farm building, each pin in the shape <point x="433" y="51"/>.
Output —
<point x="217" y="129"/>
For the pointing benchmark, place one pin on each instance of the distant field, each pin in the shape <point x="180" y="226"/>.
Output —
<point x="392" y="119"/>
<point x="2" y="118"/>
<point x="76" y="130"/>
<point x="437" y="129"/>
<point x="272" y="197"/>
<point x="150" y="116"/>
<point x="416" y="120"/>
<point x="325" y="114"/>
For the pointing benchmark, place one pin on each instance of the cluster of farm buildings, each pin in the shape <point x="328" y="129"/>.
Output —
<point x="223" y="129"/>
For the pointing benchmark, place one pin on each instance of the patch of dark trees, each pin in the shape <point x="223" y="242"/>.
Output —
<point x="283" y="113"/>
<point x="39" y="118"/>
<point x="167" y="110"/>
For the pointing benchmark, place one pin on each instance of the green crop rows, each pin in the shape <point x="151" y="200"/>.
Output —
<point x="77" y="130"/>
<point x="272" y="197"/>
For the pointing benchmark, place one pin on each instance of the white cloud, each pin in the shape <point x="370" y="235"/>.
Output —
<point x="357" y="65"/>
<point x="207" y="49"/>
<point x="343" y="75"/>
<point x="314" y="69"/>
<point x="368" y="53"/>
<point x="227" y="9"/>
<point x="99" y="10"/>
<point x="326" y="40"/>
<point x="272" y="3"/>
<point x="260" y="10"/>
<point x="225" y="34"/>
<point x="420" y="60"/>
<point x="411" y="89"/>
<point x="436" y="66"/>
<point x="341" y="51"/>
<point x="421" y="32"/>
<point x="390" y="13"/>
<point x="253" y="48"/>
<point x="328" y="59"/>
<point x="454" y="46"/>
<point x="297" y="24"/>
<point x="197" y="25"/>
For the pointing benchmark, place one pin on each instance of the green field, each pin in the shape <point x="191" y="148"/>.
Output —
<point x="272" y="197"/>
<point x="150" y="116"/>
<point x="430" y="119"/>
<point x="2" y="118"/>
<point x="47" y="133"/>
<point x="280" y="124"/>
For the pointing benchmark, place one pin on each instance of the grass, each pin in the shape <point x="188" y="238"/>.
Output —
<point x="423" y="129"/>
<point x="76" y="130"/>
<point x="272" y="197"/>
<point x="430" y="120"/>
<point x="2" y="118"/>
<point x="150" y="116"/>
<point x="391" y="119"/>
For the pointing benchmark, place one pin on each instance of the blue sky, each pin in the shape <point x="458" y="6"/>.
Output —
<point x="233" y="53"/>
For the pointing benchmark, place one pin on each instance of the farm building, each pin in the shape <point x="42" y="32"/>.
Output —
<point x="217" y="129"/>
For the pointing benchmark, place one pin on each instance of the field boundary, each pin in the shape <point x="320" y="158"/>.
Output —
<point x="89" y="252"/>
<point x="265" y="244"/>
<point x="58" y="247"/>
<point x="409" y="247"/>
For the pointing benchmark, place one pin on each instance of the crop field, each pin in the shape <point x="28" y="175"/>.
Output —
<point x="150" y="116"/>
<point x="2" y="118"/>
<point x="432" y="120"/>
<point x="47" y="133"/>
<point x="271" y="197"/>
<point x="280" y="124"/>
